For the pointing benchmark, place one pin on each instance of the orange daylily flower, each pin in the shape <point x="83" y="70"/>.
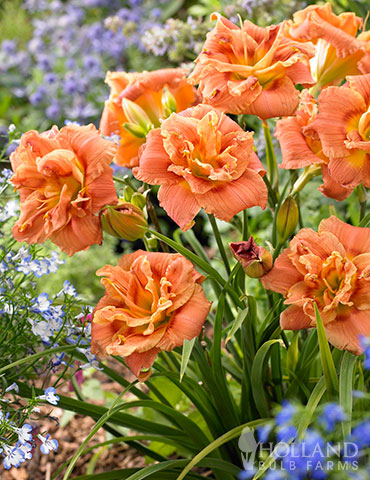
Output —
<point x="153" y="302"/>
<point x="301" y="149"/>
<point x="202" y="159"/>
<point x="138" y="102"/>
<point x="64" y="179"/>
<point x="338" y="52"/>
<point x="332" y="269"/>
<point x="343" y="128"/>
<point x="252" y="70"/>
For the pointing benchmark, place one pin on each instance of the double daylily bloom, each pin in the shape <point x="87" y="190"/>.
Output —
<point x="202" y="159"/>
<point x="64" y="179"/>
<point x="333" y="133"/>
<point x="153" y="302"/>
<point x="331" y="268"/>
<point x="338" y="51"/>
<point x="252" y="70"/>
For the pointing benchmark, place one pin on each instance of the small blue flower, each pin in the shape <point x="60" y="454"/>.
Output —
<point x="14" y="456"/>
<point x="247" y="474"/>
<point x="285" y="433"/>
<point x="365" y="345"/>
<point x="275" y="475"/>
<point x="12" y="387"/>
<point x="48" y="445"/>
<point x="51" y="397"/>
<point x="332" y="414"/>
<point x="285" y="415"/>
<point x="42" y="303"/>
<point x="69" y="289"/>
<point x="263" y="432"/>
<point x="24" y="433"/>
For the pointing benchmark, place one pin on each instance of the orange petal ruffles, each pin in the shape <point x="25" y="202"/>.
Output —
<point x="332" y="269"/>
<point x="252" y="70"/>
<point x="202" y="159"/>
<point x="300" y="149"/>
<point x="64" y="179"/>
<point x="343" y="128"/>
<point x="147" y="90"/>
<point x="338" y="52"/>
<point x="153" y="302"/>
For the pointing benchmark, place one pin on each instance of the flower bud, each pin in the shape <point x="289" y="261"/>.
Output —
<point x="256" y="261"/>
<point x="135" y="130"/>
<point x="124" y="220"/>
<point x="139" y="200"/>
<point x="168" y="102"/>
<point x="127" y="193"/>
<point x="287" y="219"/>
<point x="136" y="116"/>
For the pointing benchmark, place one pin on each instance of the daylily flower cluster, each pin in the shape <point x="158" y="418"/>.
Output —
<point x="182" y="139"/>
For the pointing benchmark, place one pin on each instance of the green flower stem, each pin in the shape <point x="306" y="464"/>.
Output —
<point x="305" y="177"/>
<point x="277" y="249"/>
<point x="245" y="233"/>
<point x="272" y="169"/>
<point x="154" y="219"/>
<point x="220" y="244"/>
<point x="361" y="193"/>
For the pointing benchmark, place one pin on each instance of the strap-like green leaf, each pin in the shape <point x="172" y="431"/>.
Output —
<point x="226" y="437"/>
<point x="327" y="363"/>
<point x="257" y="377"/>
<point x="345" y="389"/>
<point x="187" y="348"/>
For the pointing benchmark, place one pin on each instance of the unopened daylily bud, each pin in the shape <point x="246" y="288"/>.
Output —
<point x="139" y="200"/>
<point x="136" y="115"/>
<point x="124" y="220"/>
<point x="287" y="219"/>
<point x="168" y="102"/>
<point x="127" y="193"/>
<point x="136" y="130"/>
<point x="255" y="260"/>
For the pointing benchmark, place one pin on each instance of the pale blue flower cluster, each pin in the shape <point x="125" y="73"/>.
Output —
<point x="17" y="443"/>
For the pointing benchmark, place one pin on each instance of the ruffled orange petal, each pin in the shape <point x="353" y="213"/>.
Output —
<point x="94" y="152"/>
<point x="102" y="191"/>
<point x="356" y="240"/>
<point x="78" y="234"/>
<point x="154" y="162"/>
<point x="361" y="296"/>
<point x="332" y="188"/>
<point x="350" y="171"/>
<point x="293" y="318"/>
<point x="187" y="322"/>
<point x="101" y="338"/>
<point x="361" y="83"/>
<point x="137" y="362"/>
<point x="180" y="204"/>
<point x="337" y="106"/>
<point x="294" y="148"/>
<point x="283" y="274"/>
<point x="227" y="200"/>
<point x="344" y="332"/>
<point x="279" y="100"/>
